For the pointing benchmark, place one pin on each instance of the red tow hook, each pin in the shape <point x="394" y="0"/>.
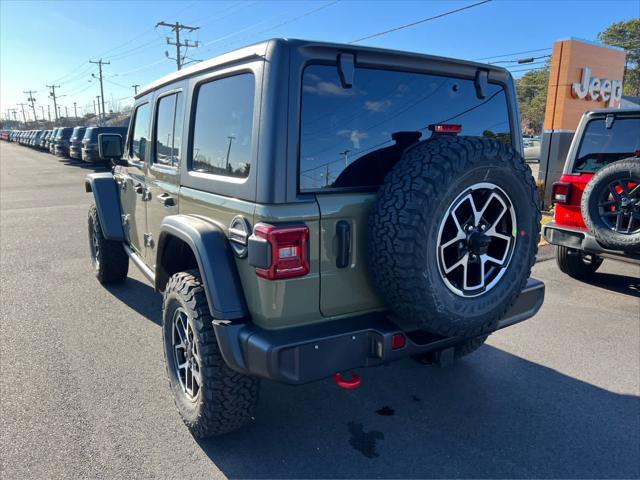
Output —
<point x="348" y="383"/>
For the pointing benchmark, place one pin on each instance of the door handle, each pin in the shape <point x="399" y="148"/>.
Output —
<point x="139" y="188"/>
<point x="167" y="200"/>
<point x="343" y="231"/>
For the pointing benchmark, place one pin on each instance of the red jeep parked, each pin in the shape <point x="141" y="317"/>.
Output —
<point x="597" y="200"/>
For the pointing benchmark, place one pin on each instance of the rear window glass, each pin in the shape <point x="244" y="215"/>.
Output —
<point x="223" y="126"/>
<point x="352" y="137"/>
<point x="168" y="130"/>
<point x="601" y="145"/>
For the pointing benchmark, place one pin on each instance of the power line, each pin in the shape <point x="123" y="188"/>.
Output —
<point x="413" y="24"/>
<point x="513" y="53"/>
<point x="529" y="69"/>
<point x="285" y="22"/>
<point x="520" y="61"/>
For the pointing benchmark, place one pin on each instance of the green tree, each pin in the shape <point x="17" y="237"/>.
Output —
<point x="532" y="98"/>
<point x="626" y="35"/>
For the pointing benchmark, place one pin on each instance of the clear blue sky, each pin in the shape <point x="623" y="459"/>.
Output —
<point x="46" y="42"/>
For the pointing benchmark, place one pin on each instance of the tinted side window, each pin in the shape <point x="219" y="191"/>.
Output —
<point x="601" y="145"/>
<point x="352" y="137"/>
<point x="168" y="130"/>
<point x="223" y="126"/>
<point x="140" y="134"/>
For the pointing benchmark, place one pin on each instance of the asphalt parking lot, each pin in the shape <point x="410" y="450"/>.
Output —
<point x="84" y="392"/>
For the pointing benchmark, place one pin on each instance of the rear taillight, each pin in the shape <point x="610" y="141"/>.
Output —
<point x="289" y="250"/>
<point x="560" y="192"/>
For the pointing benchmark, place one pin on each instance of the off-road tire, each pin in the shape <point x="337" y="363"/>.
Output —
<point x="573" y="262"/>
<point x="628" y="168"/>
<point x="111" y="263"/>
<point x="404" y="226"/>
<point x="227" y="399"/>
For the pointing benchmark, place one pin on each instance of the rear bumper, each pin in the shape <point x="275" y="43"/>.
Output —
<point x="579" y="239"/>
<point x="304" y="354"/>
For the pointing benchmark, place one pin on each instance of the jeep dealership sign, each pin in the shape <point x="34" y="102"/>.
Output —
<point x="594" y="88"/>
<point x="583" y="76"/>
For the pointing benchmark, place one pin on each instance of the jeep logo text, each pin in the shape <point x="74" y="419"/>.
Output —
<point x="594" y="88"/>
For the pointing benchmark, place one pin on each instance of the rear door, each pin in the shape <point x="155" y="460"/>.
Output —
<point x="352" y="136"/>
<point x="163" y="178"/>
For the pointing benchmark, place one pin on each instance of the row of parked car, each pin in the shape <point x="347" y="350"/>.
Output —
<point x="80" y="143"/>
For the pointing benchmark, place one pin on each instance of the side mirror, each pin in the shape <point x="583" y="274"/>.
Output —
<point x="110" y="148"/>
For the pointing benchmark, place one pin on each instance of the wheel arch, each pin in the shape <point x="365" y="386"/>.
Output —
<point x="107" y="200"/>
<point x="187" y="242"/>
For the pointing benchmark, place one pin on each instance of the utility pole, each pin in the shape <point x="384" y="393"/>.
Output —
<point x="66" y="112"/>
<point x="15" y="114"/>
<point x="24" y="117"/>
<point x="135" y="89"/>
<point x="49" y="111"/>
<point x="42" y="110"/>
<point x="98" y="104"/>
<point x="100" y="63"/>
<point x="345" y="154"/>
<point x="52" y="94"/>
<point x="75" y="110"/>
<point x="94" y="108"/>
<point x="31" y="100"/>
<point x="176" y="27"/>
<point x="231" y="139"/>
<point x="59" y="112"/>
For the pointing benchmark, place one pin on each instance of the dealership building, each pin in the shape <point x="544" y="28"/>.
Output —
<point x="583" y="76"/>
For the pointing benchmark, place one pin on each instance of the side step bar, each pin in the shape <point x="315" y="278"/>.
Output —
<point x="138" y="262"/>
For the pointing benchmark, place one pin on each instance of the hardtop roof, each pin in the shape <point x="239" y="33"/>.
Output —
<point x="261" y="49"/>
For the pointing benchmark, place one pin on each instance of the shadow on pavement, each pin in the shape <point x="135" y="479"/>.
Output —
<point x="139" y="296"/>
<point x="492" y="415"/>
<point x="616" y="283"/>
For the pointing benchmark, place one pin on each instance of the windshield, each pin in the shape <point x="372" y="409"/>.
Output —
<point x="78" y="133"/>
<point x="351" y="137"/>
<point x="601" y="145"/>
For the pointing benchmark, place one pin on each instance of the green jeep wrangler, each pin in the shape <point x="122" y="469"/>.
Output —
<point x="311" y="208"/>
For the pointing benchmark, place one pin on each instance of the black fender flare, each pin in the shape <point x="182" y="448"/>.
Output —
<point x="216" y="263"/>
<point x="107" y="198"/>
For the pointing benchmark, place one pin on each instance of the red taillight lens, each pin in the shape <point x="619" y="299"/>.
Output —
<point x="560" y="192"/>
<point x="398" y="341"/>
<point x="289" y="251"/>
<point x="445" y="128"/>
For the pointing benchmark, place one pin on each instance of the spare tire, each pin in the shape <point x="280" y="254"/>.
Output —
<point x="611" y="205"/>
<point x="453" y="234"/>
